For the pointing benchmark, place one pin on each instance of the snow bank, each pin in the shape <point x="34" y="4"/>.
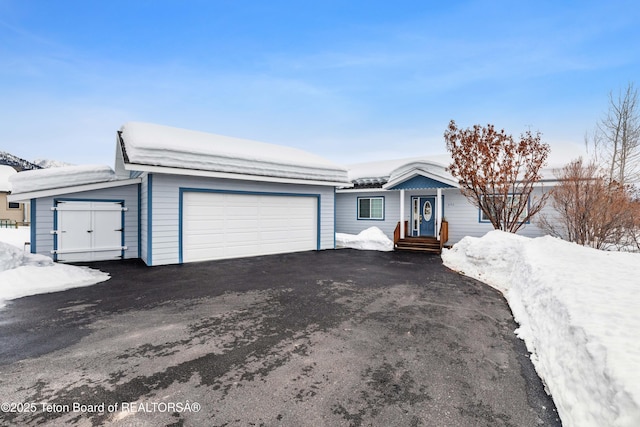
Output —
<point x="371" y="239"/>
<point x="6" y="172"/>
<point x="151" y="144"/>
<point x="23" y="274"/>
<point x="66" y="176"/>
<point x="15" y="236"/>
<point x="578" y="313"/>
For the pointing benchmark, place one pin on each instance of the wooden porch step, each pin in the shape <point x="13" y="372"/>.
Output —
<point x="419" y="244"/>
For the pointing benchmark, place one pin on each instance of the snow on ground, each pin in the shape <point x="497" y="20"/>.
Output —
<point x="15" y="236"/>
<point x="23" y="273"/>
<point x="66" y="176"/>
<point x="578" y="313"/>
<point x="372" y="239"/>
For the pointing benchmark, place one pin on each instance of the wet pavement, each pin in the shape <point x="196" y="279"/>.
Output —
<point x="331" y="338"/>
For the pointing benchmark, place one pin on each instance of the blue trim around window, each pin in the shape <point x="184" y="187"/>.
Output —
<point x="183" y="190"/>
<point x="384" y="207"/>
<point x="71" y="199"/>
<point x="149" y="219"/>
<point x="32" y="225"/>
<point x="484" y="221"/>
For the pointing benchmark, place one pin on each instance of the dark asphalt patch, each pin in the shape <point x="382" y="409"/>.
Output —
<point x="318" y="338"/>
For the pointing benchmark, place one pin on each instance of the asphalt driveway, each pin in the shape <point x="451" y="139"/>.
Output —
<point x="332" y="338"/>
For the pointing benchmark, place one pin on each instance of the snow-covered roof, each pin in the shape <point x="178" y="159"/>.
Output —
<point x="67" y="176"/>
<point x="146" y="144"/>
<point x="5" y="173"/>
<point x="378" y="173"/>
<point x="381" y="172"/>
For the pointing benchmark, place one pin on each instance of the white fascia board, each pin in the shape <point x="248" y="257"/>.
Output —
<point x="413" y="173"/>
<point x="25" y="197"/>
<point x="229" y="175"/>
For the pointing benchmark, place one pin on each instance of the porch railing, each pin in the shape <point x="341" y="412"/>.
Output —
<point x="396" y="232"/>
<point x="444" y="233"/>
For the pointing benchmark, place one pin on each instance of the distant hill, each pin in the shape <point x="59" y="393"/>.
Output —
<point x="46" y="163"/>
<point x="16" y="162"/>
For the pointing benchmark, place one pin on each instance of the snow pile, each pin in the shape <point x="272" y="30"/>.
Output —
<point x="371" y="239"/>
<point x="578" y="313"/>
<point x="66" y="176"/>
<point x="156" y="145"/>
<point x="15" y="236"/>
<point x="5" y="173"/>
<point x="23" y="274"/>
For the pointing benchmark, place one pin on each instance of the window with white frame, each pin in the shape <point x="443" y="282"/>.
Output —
<point x="512" y="199"/>
<point x="371" y="208"/>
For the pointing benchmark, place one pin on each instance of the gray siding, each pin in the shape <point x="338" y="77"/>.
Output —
<point x="463" y="217"/>
<point x="347" y="215"/>
<point x="43" y="227"/>
<point x="44" y="217"/>
<point x="347" y="212"/>
<point x="166" y="216"/>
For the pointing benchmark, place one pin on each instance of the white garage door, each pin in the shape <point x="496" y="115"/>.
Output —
<point x="223" y="225"/>
<point x="89" y="231"/>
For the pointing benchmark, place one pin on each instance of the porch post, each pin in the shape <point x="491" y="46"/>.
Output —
<point x="402" y="214"/>
<point x="438" y="211"/>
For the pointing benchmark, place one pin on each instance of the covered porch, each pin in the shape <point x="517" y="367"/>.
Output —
<point x="423" y="228"/>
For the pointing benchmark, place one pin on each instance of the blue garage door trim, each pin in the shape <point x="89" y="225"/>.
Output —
<point x="149" y="220"/>
<point x="183" y="190"/>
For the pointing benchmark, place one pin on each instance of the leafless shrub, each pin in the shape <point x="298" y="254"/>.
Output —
<point x="590" y="210"/>
<point x="498" y="174"/>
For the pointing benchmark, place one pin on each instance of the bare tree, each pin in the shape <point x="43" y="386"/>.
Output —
<point x="590" y="210"/>
<point x="498" y="174"/>
<point x="616" y="140"/>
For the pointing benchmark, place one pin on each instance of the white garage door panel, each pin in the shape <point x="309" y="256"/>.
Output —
<point x="89" y="231"/>
<point x="218" y="226"/>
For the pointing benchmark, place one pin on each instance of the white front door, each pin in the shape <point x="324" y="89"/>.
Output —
<point x="231" y="225"/>
<point x="88" y="231"/>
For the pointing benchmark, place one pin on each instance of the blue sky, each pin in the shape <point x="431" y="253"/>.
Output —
<point x="352" y="81"/>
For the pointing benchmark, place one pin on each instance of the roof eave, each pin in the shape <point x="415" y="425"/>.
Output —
<point x="48" y="192"/>
<point x="231" y="175"/>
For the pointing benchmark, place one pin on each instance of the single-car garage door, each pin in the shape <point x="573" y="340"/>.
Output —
<point x="88" y="231"/>
<point x="231" y="225"/>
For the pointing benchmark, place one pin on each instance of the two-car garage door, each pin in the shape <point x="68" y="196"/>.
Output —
<point x="231" y="225"/>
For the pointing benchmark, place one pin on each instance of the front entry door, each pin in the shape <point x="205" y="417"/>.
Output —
<point x="427" y="216"/>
